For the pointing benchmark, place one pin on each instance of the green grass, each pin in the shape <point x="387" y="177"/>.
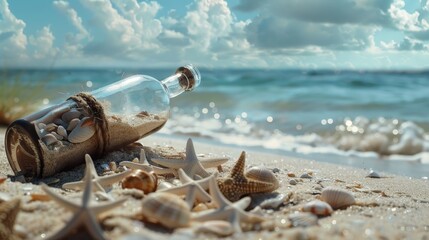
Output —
<point x="18" y="98"/>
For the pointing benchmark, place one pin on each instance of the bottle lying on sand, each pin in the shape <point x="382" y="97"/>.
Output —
<point x="57" y="138"/>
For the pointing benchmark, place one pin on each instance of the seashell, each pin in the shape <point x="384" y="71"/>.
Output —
<point x="337" y="197"/>
<point x="373" y="174"/>
<point x="293" y="182"/>
<point x="51" y="127"/>
<point x="200" y="207"/>
<point x="166" y="208"/>
<point x="41" y="125"/>
<point x="73" y="123"/>
<point x="62" y="131"/>
<point x="273" y="203"/>
<point x="291" y="174"/>
<point x="306" y="175"/>
<point x="276" y="170"/>
<point x="142" y="180"/>
<point x="72" y="114"/>
<point x="303" y="219"/>
<point x="113" y="166"/>
<point x="263" y="174"/>
<point x="57" y="136"/>
<point x="318" y="207"/>
<point x="83" y="131"/>
<point x="164" y="185"/>
<point x="217" y="227"/>
<point x="49" y="139"/>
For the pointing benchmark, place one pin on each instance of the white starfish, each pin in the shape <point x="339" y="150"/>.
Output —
<point x="143" y="164"/>
<point x="194" y="190"/>
<point x="99" y="183"/>
<point x="232" y="212"/>
<point x="191" y="165"/>
<point x="83" y="213"/>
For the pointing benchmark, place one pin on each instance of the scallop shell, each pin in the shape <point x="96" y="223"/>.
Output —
<point x="68" y="116"/>
<point x="301" y="219"/>
<point x="318" y="207"/>
<point x="217" y="227"/>
<point x="337" y="197"/>
<point x="263" y="174"/>
<point x="166" y="208"/>
<point x="142" y="180"/>
<point x="73" y="123"/>
<point x="83" y="131"/>
<point x="62" y="131"/>
<point x="49" y="139"/>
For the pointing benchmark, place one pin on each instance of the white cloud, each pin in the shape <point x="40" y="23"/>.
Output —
<point x="74" y="18"/>
<point x="402" y="18"/>
<point x="43" y="43"/>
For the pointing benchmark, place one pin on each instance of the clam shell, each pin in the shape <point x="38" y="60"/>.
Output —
<point x="68" y="116"/>
<point x="49" y="139"/>
<point x="273" y="203"/>
<point x="318" y="207"/>
<point x="337" y="197"/>
<point x="217" y="227"/>
<point x="82" y="131"/>
<point x="73" y="123"/>
<point x="166" y="208"/>
<point x="62" y="131"/>
<point x="303" y="219"/>
<point x="142" y="180"/>
<point x="263" y="174"/>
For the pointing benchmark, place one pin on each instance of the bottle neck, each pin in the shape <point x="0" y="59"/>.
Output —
<point x="173" y="86"/>
<point x="186" y="78"/>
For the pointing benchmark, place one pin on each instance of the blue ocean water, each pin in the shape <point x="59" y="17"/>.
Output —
<point x="377" y="115"/>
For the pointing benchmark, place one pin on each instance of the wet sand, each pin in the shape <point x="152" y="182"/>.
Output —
<point x="397" y="207"/>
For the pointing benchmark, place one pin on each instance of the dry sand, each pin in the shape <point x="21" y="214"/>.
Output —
<point x="402" y="211"/>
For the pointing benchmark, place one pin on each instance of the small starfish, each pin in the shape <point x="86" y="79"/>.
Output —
<point x="143" y="164"/>
<point x="83" y="213"/>
<point x="191" y="165"/>
<point x="194" y="190"/>
<point x="238" y="185"/>
<point x="232" y="212"/>
<point x="99" y="182"/>
<point x="8" y="212"/>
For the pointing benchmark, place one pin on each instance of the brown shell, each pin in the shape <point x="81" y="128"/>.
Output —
<point x="263" y="174"/>
<point x="142" y="180"/>
<point x="166" y="208"/>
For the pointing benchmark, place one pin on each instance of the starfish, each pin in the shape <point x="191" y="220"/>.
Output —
<point x="191" y="165"/>
<point x="143" y="164"/>
<point x="8" y="212"/>
<point x="237" y="184"/>
<point x="194" y="190"/>
<point x="99" y="182"/>
<point x="232" y="212"/>
<point x="83" y="213"/>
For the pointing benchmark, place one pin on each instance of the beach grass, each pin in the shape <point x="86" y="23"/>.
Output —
<point x="19" y="98"/>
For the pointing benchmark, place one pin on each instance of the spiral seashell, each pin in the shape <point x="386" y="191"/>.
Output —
<point x="217" y="227"/>
<point x="68" y="116"/>
<point x="62" y="131"/>
<point x="337" y="197"/>
<point x="49" y="139"/>
<point x="318" y="207"/>
<point x="73" y="123"/>
<point x="303" y="219"/>
<point x="142" y="180"/>
<point x="83" y="131"/>
<point x="263" y="174"/>
<point x="166" y="208"/>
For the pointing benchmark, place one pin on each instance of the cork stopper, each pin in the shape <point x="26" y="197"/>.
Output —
<point x="190" y="77"/>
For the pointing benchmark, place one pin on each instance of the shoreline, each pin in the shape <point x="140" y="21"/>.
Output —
<point x="402" y="203"/>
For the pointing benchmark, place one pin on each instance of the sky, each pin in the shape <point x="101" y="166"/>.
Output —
<point x="304" y="34"/>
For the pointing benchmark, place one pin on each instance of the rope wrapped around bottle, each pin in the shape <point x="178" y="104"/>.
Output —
<point x="92" y="106"/>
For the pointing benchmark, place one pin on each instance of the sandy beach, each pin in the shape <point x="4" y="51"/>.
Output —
<point x="391" y="207"/>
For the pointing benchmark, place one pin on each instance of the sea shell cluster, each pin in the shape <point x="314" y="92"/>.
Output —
<point x="72" y="126"/>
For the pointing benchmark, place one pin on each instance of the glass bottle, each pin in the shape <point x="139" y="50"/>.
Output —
<point x="57" y="138"/>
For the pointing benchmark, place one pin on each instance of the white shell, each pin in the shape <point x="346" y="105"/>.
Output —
<point x="318" y="207"/>
<point x="81" y="133"/>
<point x="49" y="139"/>
<point x="301" y="219"/>
<point x="337" y="197"/>
<point x="164" y="185"/>
<point x="218" y="227"/>
<point x="62" y="131"/>
<point x="73" y="123"/>
<point x="273" y="203"/>
<point x="68" y="116"/>
<point x="166" y="208"/>
<point x="263" y="174"/>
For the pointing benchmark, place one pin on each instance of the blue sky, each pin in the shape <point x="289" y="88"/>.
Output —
<point x="334" y="34"/>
